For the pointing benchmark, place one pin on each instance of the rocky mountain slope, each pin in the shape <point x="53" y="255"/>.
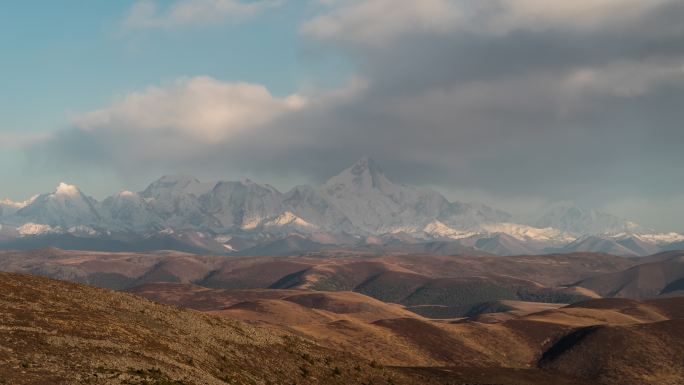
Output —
<point x="358" y="207"/>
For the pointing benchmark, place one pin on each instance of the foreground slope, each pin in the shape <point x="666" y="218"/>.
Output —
<point x="52" y="332"/>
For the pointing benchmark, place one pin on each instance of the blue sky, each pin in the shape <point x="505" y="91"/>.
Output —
<point x="513" y="102"/>
<point x="62" y="59"/>
<point x="69" y="57"/>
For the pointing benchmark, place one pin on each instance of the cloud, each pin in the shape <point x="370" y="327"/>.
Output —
<point x="546" y="105"/>
<point x="200" y="108"/>
<point x="197" y="125"/>
<point x="578" y="15"/>
<point x="375" y="21"/>
<point x="525" y="98"/>
<point x="627" y="78"/>
<point x="181" y="13"/>
<point x="372" y="22"/>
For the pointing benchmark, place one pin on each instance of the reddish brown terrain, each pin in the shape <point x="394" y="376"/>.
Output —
<point x="414" y="318"/>
<point x="530" y="334"/>
<point x="660" y="275"/>
<point x="409" y="279"/>
<point x="53" y="332"/>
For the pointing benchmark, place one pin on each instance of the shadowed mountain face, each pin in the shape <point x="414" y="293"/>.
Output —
<point x="660" y="275"/>
<point x="358" y="209"/>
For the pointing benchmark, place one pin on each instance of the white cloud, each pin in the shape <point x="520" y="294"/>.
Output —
<point x="201" y="108"/>
<point x="147" y="14"/>
<point x="374" y="21"/>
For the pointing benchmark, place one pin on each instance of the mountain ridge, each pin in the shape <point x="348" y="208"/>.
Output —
<point x="357" y="203"/>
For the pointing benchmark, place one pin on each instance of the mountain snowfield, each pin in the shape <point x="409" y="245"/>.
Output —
<point x="358" y="206"/>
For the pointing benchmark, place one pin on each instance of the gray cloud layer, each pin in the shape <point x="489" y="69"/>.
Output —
<point x="518" y="98"/>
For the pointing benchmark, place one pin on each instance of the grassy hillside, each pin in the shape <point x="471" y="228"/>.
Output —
<point x="53" y="332"/>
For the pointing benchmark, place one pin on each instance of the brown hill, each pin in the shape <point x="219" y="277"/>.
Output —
<point x="634" y="354"/>
<point x="321" y="269"/>
<point x="62" y="333"/>
<point x="457" y="282"/>
<point x="660" y="275"/>
<point x="488" y="312"/>
<point x="340" y="320"/>
<point x="202" y="298"/>
<point x="524" y="335"/>
<point x="52" y="332"/>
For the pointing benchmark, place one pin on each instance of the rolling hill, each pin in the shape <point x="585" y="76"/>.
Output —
<point x="502" y="342"/>
<point x="284" y="326"/>
<point x="412" y="280"/>
<point x="659" y="275"/>
<point x="62" y="333"/>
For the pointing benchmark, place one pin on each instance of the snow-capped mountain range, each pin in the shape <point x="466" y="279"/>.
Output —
<point x="351" y="208"/>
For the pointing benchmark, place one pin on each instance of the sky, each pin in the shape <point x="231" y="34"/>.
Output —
<point x="515" y="103"/>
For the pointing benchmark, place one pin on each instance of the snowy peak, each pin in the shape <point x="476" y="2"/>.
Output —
<point x="130" y="212"/>
<point x="289" y="220"/>
<point x="127" y="195"/>
<point x="242" y="205"/>
<point x="63" y="193"/>
<point x="529" y="233"/>
<point x="67" y="206"/>
<point x="123" y="198"/>
<point x="376" y="205"/>
<point x="438" y="229"/>
<point x="314" y="206"/>
<point x="366" y="166"/>
<point x="569" y="217"/>
<point x="472" y="216"/>
<point x="176" y="184"/>
<point x="35" y="229"/>
<point x="358" y="203"/>
<point x="179" y="181"/>
<point x="660" y="238"/>
<point x="9" y="207"/>
<point x="363" y="176"/>
<point x="67" y="190"/>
